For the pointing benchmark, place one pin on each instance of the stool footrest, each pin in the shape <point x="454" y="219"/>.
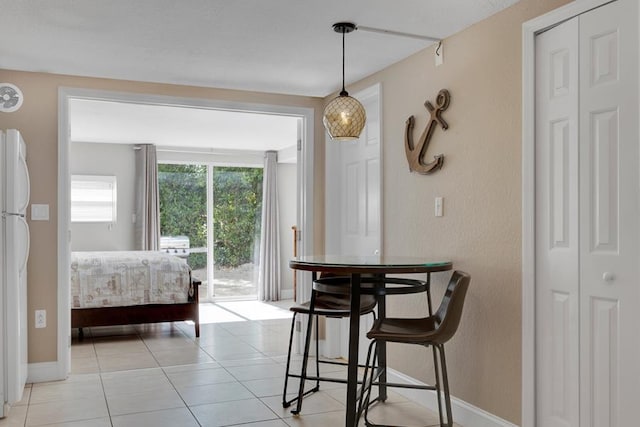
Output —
<point x="326" y="379"/>
<point x="287" y="403"/>
<point x="400" y="385"/>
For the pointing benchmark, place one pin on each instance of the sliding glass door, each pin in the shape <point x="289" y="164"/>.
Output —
<point x="217" y="209"/>
<point x="237" y="202"/>
<point x="183" y="215"/>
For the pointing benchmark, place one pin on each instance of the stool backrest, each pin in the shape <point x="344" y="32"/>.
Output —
<point x="447" y="318"/>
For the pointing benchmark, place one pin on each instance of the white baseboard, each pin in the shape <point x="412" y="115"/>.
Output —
<point x="286" y="294"/>
<point x="46" y="371"/>
<point x="464" y="413"/>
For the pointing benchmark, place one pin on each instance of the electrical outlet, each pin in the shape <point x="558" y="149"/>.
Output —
<point x="41" y="318"/>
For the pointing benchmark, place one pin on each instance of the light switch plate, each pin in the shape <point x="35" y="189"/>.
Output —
<point x="39" y="212"/>
<point x="438" y="206"/>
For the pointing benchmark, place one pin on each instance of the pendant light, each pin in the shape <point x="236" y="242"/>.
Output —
<point x="344" y="117"/>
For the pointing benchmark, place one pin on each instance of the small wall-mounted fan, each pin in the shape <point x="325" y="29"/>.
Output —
<point x="10" y="98"/>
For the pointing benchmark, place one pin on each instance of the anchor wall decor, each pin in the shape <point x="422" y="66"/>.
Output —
<point x="416" y="153"/>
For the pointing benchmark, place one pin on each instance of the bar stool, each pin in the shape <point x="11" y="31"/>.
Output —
<point x="335" y="303"/>
<point x="434" y="331"/>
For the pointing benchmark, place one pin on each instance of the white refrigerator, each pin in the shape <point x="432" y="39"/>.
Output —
<point x="14" y="252"/>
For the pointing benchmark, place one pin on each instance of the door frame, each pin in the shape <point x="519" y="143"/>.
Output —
<point x="305" y="189"/>
<point x="530" y="30"/>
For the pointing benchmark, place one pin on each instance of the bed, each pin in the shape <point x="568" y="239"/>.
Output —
<point x="131" y="287"/>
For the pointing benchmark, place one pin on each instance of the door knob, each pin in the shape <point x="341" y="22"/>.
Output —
<point x="608" y="277"/>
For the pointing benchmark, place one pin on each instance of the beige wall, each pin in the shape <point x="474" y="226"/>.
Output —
<point x="480" y="182"/>
<point x="481" y="185"/>
<point x="37" y="119"/>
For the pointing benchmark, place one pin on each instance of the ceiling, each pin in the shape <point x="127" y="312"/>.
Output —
<point x="277" y="46"/>
<point x="174" y="126"/>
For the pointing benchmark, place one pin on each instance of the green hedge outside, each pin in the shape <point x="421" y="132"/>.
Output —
<point x="237" y="205"/>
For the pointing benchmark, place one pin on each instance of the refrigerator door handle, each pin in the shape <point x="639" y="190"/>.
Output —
<point x="6" y="214"/>
<point x="25" y="170"/>
<point x="23" y="263"/>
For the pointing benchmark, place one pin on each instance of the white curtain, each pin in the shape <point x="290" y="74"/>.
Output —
<point x="147" y="227"/>
<point x="269" y="269"/>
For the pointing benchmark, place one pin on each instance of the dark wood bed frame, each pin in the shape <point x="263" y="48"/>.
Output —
<point x="135" y="314"/>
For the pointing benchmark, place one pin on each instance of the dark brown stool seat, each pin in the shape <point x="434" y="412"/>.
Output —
<point x="434" y="331"/>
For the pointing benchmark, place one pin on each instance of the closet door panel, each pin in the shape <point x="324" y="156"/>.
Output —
<point x="557" y="296"/>
<point x="604" y="184"/>
<point x="609" y="216"/>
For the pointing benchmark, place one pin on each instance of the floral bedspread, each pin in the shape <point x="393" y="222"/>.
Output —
<point x="114" y="279"/>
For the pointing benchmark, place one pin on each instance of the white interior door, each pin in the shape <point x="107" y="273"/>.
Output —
<point x="353" y="187"/>
<point x="353" y="207"/>
<point x="588" y="220"/>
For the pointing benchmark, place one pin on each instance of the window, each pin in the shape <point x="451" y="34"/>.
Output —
<point x="93" y="198"/>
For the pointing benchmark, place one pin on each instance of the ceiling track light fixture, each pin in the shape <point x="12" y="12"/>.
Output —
<point x="344" y="117"/>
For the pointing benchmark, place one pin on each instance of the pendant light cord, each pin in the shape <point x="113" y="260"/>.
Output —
<point x="343" y="92"/>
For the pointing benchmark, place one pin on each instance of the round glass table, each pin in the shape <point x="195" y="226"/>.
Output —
<point x="355" y="267"/>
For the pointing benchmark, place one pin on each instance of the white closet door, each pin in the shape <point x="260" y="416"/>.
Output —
<point x="610" y="216"/>
<point x="557" y="243"/>
<point x="588" y="220"/>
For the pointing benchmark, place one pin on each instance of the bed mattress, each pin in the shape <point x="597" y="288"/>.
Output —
<point x="114" y="279"/>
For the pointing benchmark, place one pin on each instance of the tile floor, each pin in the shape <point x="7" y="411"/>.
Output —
<point x="161" y="375"/>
